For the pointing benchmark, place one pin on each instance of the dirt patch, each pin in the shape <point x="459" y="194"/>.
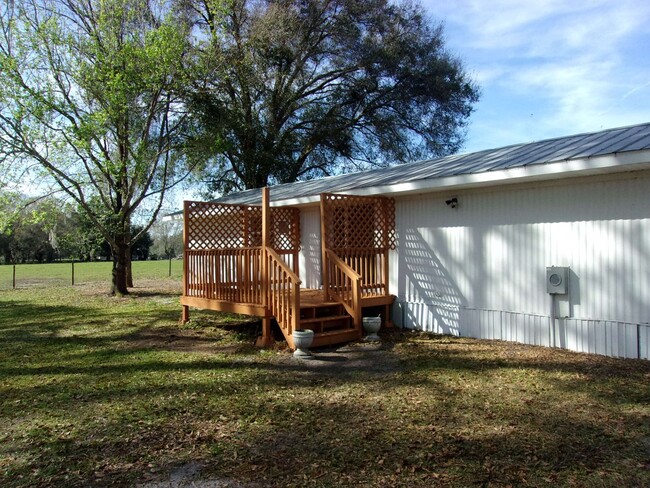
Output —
<point x="144" y="288"/>
<point x="189" y="476"/>
<point x="185" y="340"/>
<point x="357" y="361"/>
<point x="371" y="358"/>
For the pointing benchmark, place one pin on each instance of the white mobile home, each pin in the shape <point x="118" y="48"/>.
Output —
<point x="476" y="234"/>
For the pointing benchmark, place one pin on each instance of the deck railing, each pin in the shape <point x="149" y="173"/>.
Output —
<point x="283" y="292"/>
<point x="237" y="275"/>
<point x="370" y="265"/>
<point x="233" y="275"/>
<point x="343" y="284"/>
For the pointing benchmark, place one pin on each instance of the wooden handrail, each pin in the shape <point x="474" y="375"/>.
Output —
<point x="371" y="265"/>
<point x="282" y="288"/>
<point x="284" y="265"/>
<point x="332" y="256"/>
<point x="344" y="285"/>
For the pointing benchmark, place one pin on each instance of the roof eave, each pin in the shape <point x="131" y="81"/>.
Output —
<point x="610" y="163"/>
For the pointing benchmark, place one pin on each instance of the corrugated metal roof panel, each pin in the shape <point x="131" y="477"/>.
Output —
<point x="643" y="142"/>
<point x="565" y="148"/>
<point x="533" y="153"/>
<point x="601" y="145"/>
<point x="633" y="138"/>
<point x="620" y="142"/>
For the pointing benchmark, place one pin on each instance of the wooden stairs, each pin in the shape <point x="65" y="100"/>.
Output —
<point x="329" y="320"/>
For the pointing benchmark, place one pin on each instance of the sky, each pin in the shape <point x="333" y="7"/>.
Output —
<point x="550" y="68"/>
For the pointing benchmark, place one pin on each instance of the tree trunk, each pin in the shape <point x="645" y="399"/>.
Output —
<point x="120" y="267"/>
<point x="129" y="271"/>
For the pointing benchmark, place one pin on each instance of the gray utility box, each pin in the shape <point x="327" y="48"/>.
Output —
<point x="557" y="280"/>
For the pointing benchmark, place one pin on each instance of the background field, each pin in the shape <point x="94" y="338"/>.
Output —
<point x="57" y="274"/>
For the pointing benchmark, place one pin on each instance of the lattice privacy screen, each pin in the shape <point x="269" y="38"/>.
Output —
<point x="285" y="229"/>
<point x="356" y="222"/>
<point x="227" y="226"/>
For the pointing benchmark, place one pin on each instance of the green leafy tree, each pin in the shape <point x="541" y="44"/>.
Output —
<point x="140" y="248"/>
<point x="78" y="237"/>
<point x="88" y="94"/>
<point x="10" y="205"/>
<point x="30" y="243"/>
<point x="28" y="228"/>
<point x="295" y="89"/>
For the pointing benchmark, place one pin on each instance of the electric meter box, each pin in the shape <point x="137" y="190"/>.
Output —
<point x="557" y="280"/>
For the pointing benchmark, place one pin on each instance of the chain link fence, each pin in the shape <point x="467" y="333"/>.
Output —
<point x="77" y="273"/>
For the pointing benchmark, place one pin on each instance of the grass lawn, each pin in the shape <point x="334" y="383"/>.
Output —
<point x="98" y="391"/>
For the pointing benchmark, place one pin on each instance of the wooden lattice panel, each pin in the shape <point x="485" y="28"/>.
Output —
<point x="227" y="226"/>
<point x="356" y="222"/>
<point x="285" y="229"/>
<point x="253" y="226"/>
<point x="214" y="226"/>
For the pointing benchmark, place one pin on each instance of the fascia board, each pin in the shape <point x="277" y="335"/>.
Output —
<point x="610" y="163"/>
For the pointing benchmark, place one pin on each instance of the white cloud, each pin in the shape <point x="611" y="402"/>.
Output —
<point x="634" y="90"/>
<point x="539" y="25"/>
<point x="579" y="65"/>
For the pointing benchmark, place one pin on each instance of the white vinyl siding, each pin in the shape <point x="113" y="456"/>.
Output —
<point x="491" y="253"/>
<point x="480" y="269"/>
<point x="310" y="248"/>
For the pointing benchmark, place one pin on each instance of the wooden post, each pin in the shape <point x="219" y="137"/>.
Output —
<point x="72" y="272"/>
<point x="265" y="243"/>
<point x="323" y="244"/>
<point x="245" y="224"/>
<point x="170" y="266"/>
<point x="185" y="316"/>
<point x="14" y="279"/>
<point x="388" y="321"/>
<point x="266" y="339"/>
<point x="295" y="317"/>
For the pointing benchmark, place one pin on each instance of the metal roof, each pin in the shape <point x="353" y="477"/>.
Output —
<point x="580" y="146"/>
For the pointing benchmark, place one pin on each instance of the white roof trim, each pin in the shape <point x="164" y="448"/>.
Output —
<point x="609" y="163"/>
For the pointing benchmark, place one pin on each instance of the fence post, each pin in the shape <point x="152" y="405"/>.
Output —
<point x="72" y="272"/>
<point x="170" y="265"/>
<point x="14" y="277"/>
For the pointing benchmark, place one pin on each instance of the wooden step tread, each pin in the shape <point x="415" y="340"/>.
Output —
<point x="335" y="337"/>
<point x="304" y="306"/>
<point x="317" y="320"/>
<point x="335" y="332"/>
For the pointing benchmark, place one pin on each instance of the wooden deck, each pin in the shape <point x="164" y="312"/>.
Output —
<point x="244" y="259"/>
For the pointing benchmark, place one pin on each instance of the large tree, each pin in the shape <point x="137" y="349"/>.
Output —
<point x="295" y="89"/>
<point x="88" y="94"/>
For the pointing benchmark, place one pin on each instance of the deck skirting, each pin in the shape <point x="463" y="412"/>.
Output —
<point x="225" y="306"/>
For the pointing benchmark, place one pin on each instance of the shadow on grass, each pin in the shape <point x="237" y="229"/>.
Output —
<point x="122" y="355"/>
<point x="348" y="438"/>
<point x="609" y="379"/>
<point x="55" y="330"/>
<point x="146" y="293"/>
<point x="16" y="314"/>
<point x="394" y="417"/>
<point x="368" y="447"/>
